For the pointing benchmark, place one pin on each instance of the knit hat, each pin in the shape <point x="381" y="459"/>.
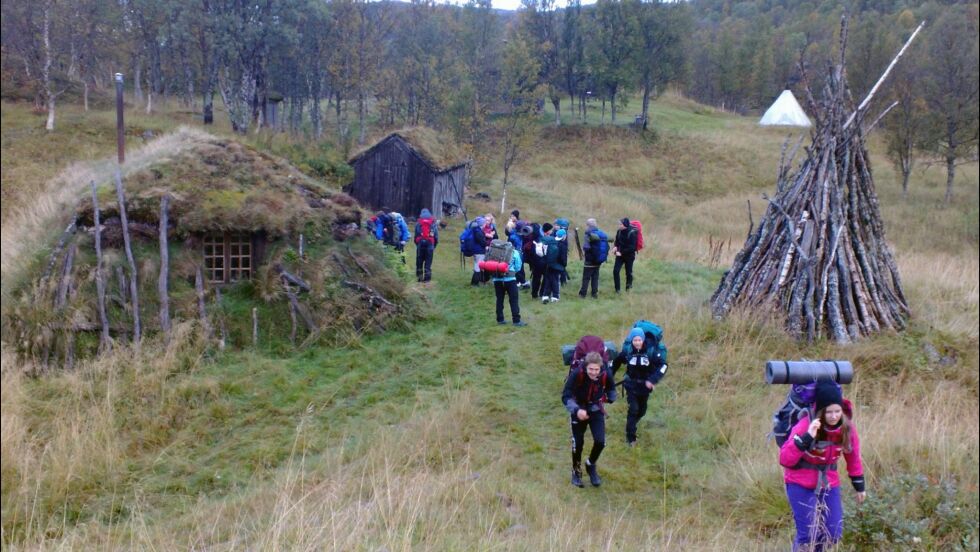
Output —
<point x="425" y="214"/>
<point x="826" y="394"/>
<point x="560" y="234"/>
<point x="635" y="332"/>
<point x="546" y="227"/>
<point x="625" y="221"/>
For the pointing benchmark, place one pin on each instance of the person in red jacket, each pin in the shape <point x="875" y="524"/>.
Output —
<point x="809" y="458"/>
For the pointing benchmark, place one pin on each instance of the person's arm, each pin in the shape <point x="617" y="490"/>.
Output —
<point x="434" y="230"/>
<point x="620" y="360"/>
<point x="855" y="469"/>
<point x="515" y="262"/>
<point x="658" y="368"/>
<point x="631" y="237"/>
<point x="404" y="228"/>
<point x="379" y="230"/>
<point x="610" y="388"/>
<point x="568" y="394"/>
<point x="799" y="441"/>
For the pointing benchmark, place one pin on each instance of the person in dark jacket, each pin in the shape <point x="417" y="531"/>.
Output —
<point x="480" y="245"/>
<point x="625" y="251"/>
<point x="551" y="288"/>
<point x="644" y="369"/>
<point x="534" y="261"/>
<point x="561" y="236"/>
<point x="591" y="249"/>
<point x="586" y="390"/>
<point x="515" y="239"/>
<point x="426" y="240"/>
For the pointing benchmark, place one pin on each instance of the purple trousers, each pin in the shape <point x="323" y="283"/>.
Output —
<point x="818" y="515"/>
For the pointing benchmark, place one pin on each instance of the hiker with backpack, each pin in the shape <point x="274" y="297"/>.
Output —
<point x="532" y="245"/>
<point x="549" y="249"/>
<point x="505" y="282"/>
<point x="473" y="243"/>
<point x="624" y="249"/>
<point x="426" y="240"/>
<point x="596" y="250"/>
<point x="586" y="390"/>
<point x="645" y="358"/>
<point x="561" y="236"/>
<point x="809" y="459"/>
<point x="392" y="230"/>
<point x="517" y="240"/>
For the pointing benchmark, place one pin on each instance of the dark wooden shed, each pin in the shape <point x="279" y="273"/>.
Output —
<point x="409" y="170"/>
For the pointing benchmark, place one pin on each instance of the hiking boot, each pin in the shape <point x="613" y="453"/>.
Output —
<point x="520" y="323"/>
<point x="545" y="298"/>
<point x="582" y="295"/>
<point x="593" y="474"/>
<point x="554" y="299"/>
<point x="577" y="478"/>
<point x="501" y="322"/>
<point x="631" y="444"/>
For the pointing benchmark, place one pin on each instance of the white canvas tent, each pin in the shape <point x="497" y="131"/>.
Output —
<point x="785" y="111"/>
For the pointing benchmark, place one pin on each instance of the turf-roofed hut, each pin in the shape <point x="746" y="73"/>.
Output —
<point x="410" y="170"/>
<point x="249" y="237"/>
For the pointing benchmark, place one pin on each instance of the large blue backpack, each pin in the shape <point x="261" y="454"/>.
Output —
<point x="653" y="335"/>
<point x="602" y="248"/>
<point x="466" y="243"/>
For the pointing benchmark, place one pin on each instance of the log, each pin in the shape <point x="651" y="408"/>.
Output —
<point x="358" y="262"/>
<point x="164" y="268"/>
<point x="291" y="279"/>
<point x="61" y="299"/>
<point x="133" y="287"/>
<point x="58" y="248"/>
<point x="340" y="263"/>
<point x="374" y="297"/>
<point x="104" y="342"/>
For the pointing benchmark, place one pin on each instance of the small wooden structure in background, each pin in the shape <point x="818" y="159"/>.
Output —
<point x="410" y="170"/>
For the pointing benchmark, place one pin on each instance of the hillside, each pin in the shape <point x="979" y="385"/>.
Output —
<point x="448" y="434"/>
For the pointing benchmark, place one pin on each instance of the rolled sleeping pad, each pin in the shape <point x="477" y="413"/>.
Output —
<point x="568" y="351"/>
<point x="483" y="266"/>
<point x="808" y="371"/>
<point x="501" y="267"/>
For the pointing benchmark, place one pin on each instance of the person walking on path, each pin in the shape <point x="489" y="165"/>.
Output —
<point x="644" y="369"/>
<point x="426" y="240"/>
<point x="586" y="391"/>
<point x="595" y="250"/>
<point x="506" y="284"/>
<point x="624" y="250"/>
<point x="809" y="459"/>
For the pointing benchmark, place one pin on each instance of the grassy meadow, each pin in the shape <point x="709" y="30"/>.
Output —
<point x="450" y="435"/>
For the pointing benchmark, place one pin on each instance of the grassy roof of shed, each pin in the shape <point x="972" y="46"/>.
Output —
<point x="438" y="150"/>
<point x="217" y="184"/>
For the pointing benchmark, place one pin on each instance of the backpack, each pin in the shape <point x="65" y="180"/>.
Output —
<point x="602" y="247"/>
<point x="541" y="249"/>
<point x="425" y="231"/>
<point x="798" y="404"/>
<point x="466" y="244"/>
<point x="500" y="251"/>
<point x="653" y="339"/>
<point x="639" y="234"/>
<point x="391" y="231"/>
<point x="572" y="355"/>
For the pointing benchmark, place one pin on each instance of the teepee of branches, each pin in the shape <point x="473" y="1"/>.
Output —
<point x="819" y="253"/>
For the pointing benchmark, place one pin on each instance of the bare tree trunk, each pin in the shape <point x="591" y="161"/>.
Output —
<point x="85" y="93"/>
<point x="647" y="90"/>
<point x="133" y="288"/>
<point x="46" y="70"/>
<point x="164" y="268"/>
<point x="361" y="118"/>
<point x="138" y="81"/>
<point x="104" y="343"/>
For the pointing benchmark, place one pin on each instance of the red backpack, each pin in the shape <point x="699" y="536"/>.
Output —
<point x="639" y="234"/>
<point x="589" y="344"/>
<point x="425" y="231"/>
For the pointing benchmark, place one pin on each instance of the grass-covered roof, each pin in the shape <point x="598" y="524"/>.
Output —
<point x="218" y="184"/>
<point x="436" y="149"/>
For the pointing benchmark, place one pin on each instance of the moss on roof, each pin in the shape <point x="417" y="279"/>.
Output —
<point x="437" y="149"/>
<point x="218" y="185"/>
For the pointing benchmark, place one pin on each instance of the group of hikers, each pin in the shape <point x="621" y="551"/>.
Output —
<point x="814" y="443"/>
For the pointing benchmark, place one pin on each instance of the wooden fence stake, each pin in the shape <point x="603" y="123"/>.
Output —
<point x="164" y="268"/>
<point x="201" y="309"/>
<point x="255" y="327"/>
<point x="133" y="288"/>
<point x="104" y="343"/>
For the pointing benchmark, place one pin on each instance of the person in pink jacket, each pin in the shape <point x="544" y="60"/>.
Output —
<point x="809" y="458"/>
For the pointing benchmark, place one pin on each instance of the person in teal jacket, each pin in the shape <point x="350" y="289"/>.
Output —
<point x="506" y="283"/>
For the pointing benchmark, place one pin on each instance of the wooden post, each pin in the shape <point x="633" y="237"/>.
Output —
<point x="104" y="343"/>
<point x="301" y="255"/>
<point x="53" y="259"/>
<point x="221" y="321"/>
<point x="292" y="319"/>
<point x="133" y="288"/>
<point x="120" y="127"/>
<point x="255" y="327"/>
<point x="201" y="309"/>
<point x="61" y="299"/>
<point x="578" y="246"/>
<point x="164" y="268"/>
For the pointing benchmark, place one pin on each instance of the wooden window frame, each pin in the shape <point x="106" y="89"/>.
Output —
<point x="228" y="257"/>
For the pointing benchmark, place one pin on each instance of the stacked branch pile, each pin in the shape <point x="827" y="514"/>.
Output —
<point x="819" y="254"/>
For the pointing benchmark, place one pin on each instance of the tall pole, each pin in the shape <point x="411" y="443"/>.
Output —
<point x="120" y="129"/>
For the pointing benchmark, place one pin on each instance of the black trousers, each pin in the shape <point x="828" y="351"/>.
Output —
<point x="521" y="276"/>
<point x="637" y="409"/>
<point x="537" y="276"/>
<point x="510" y="288"/>
<point x="423" y="261"/>
<point x="590" y="275"/>
<point x="621" y="261"/>
<point x="596" y="423"/>
<point x="552" y="283"/>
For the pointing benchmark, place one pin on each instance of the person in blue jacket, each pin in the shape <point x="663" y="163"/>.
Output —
<point x="392" y="230"/>
<point x="506" y="283"/>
